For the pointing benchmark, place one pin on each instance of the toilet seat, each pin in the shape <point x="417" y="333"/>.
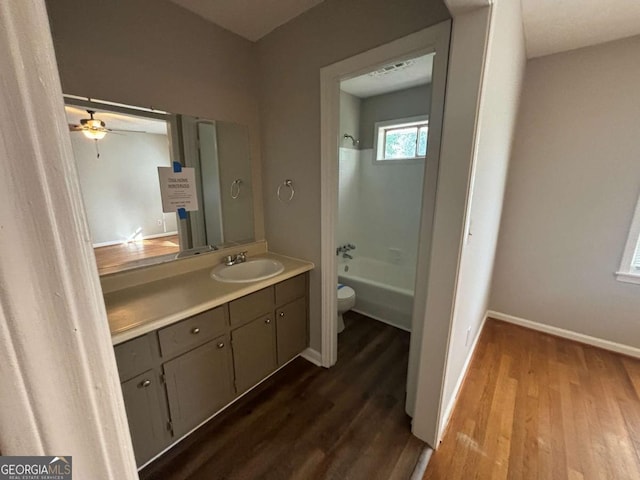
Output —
<point x="345" y="293"/>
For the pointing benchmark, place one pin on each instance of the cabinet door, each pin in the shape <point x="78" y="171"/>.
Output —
<point x="198" y="384"/>
<point x="291" y="327"/>
<point x="254" y="352"/>
<point x="146" y="406"/>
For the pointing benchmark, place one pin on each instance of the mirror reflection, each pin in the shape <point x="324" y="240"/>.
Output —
<point x="118" y="150"/>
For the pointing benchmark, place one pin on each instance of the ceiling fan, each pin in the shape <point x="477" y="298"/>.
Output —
<point x="96" y="129"/>
<point x="91" y="127"/>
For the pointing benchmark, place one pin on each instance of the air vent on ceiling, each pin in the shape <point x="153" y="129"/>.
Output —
<point x="394" y="67"/>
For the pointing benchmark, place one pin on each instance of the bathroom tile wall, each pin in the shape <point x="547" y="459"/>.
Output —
<point x="379" y="206"/>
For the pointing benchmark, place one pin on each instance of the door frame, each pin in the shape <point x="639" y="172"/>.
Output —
<point x="434" y="39"/>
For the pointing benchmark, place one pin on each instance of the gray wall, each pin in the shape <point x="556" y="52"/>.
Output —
<point x="290" y="61"/>
<point x="349" y="118"/>
<point x="573" y="185"/>
<point x="390" y="106"/>
<point x="154" y="53"/>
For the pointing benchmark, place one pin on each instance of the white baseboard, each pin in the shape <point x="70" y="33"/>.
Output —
<point x="456" y="390"/>
<point x="124" y="241"/>
<point x="312" y="356"/>
<point x="568" y="334"/>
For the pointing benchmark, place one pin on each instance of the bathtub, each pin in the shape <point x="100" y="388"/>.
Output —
<point x="383" y="291"/>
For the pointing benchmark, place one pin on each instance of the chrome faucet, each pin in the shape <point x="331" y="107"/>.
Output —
<point x="344" y="249"/>
<point x="234" y="259"/>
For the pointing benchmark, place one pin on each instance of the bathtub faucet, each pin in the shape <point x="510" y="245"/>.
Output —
<point x="346" y="255"/>
<point x="345" y="248"/>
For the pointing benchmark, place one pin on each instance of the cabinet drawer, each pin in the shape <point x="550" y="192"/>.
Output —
<point x="291" y="289"/>
<point x="135" y="356"/>
<point x="192" y="332"/>
<point x="250" y="307"/>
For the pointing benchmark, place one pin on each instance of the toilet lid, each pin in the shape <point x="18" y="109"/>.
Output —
<point x="345" y="292"/>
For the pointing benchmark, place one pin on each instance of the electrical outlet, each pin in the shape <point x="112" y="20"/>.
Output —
<point x="466" y="342"/>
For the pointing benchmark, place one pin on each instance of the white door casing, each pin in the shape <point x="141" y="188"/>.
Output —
<point x="60" y="392"/>
<point x="433" y="39"/>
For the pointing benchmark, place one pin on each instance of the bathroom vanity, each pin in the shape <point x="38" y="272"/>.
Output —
<point x="187" y="346"/>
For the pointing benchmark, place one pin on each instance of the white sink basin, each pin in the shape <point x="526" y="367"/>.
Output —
<point x="249" y="271"/>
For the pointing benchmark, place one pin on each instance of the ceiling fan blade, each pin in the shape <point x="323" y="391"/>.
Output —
<point x="125" y="131"/>
<point x="75" y="128"/>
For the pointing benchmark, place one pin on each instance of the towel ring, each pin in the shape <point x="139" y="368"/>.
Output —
<point x="236" y="183"/>
<point x="289" y="184"/>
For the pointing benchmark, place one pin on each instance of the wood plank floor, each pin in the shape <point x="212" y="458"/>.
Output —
<point x="110" y="257"/>
<point x="534" y="406"/>
<point x="306" y="422"/>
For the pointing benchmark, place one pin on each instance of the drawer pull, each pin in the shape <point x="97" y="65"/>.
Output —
<point x="282" y="314"/>
<point x="195" y="331"/>
<point x="221" y="345"/>
<point x="145" y="383"/>
<point x="267" y="321"/>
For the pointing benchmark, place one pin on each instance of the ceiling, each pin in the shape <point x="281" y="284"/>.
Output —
<point x="118" y="121"/>
<point x="391" y="78"/>
<point x="251" y="19"/>
<point x="553" y="26"/>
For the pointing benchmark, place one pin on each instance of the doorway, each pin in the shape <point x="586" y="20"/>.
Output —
<point x="432" y="41"/>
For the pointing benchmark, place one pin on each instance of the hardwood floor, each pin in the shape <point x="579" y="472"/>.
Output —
<point x="110" y="257"/>
<point x="306" y="422"/>
<point x="537" y="406"/>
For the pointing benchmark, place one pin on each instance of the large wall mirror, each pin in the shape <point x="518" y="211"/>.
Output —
<point x="118" y="150"/>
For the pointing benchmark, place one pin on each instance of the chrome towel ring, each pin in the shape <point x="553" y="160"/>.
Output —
<point x="235" y="188"/>
<point x="286" y="184"/>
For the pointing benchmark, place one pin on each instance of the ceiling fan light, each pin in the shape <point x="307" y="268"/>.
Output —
<point x="94" y="134"/>
<point x="93" y="129"/>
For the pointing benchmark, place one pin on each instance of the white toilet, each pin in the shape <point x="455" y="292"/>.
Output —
<point x="346" y="301"/>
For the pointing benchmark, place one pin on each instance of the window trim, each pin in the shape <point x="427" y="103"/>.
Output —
<point x="378" y="147"/>
<point x="626" y="272"/>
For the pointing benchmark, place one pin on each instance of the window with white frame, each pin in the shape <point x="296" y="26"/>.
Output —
<point x="629" y="270"/>
<point x="401" y="139"/>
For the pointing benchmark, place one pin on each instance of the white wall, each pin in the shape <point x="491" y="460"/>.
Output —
<point x="502" y="84"/>
<point x="572" y="189"/>
<point x="120" y="189"/>
<point x="349" y="203"/>
<point x="379" y="207"/>
<point x="485" y="74"/>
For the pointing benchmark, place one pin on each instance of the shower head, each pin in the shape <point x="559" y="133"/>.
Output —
<point x="354" y="141"/>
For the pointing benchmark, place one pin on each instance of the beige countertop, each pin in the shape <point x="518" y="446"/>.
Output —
<point x="140" y="309"/>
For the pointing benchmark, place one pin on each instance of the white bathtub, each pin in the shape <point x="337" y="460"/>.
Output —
<point x="383" y="291"/>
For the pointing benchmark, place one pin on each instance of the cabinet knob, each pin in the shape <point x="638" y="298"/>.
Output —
<point x="145" y="383"/>
<point x="195" y="331"/>
<point x="267" y="321"/>
<point x="221" y="345"/>
<point x="282" y="314"/>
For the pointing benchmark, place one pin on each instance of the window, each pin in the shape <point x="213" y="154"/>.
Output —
<point x="630" y="266"/>
<point x="402" y="139"/>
